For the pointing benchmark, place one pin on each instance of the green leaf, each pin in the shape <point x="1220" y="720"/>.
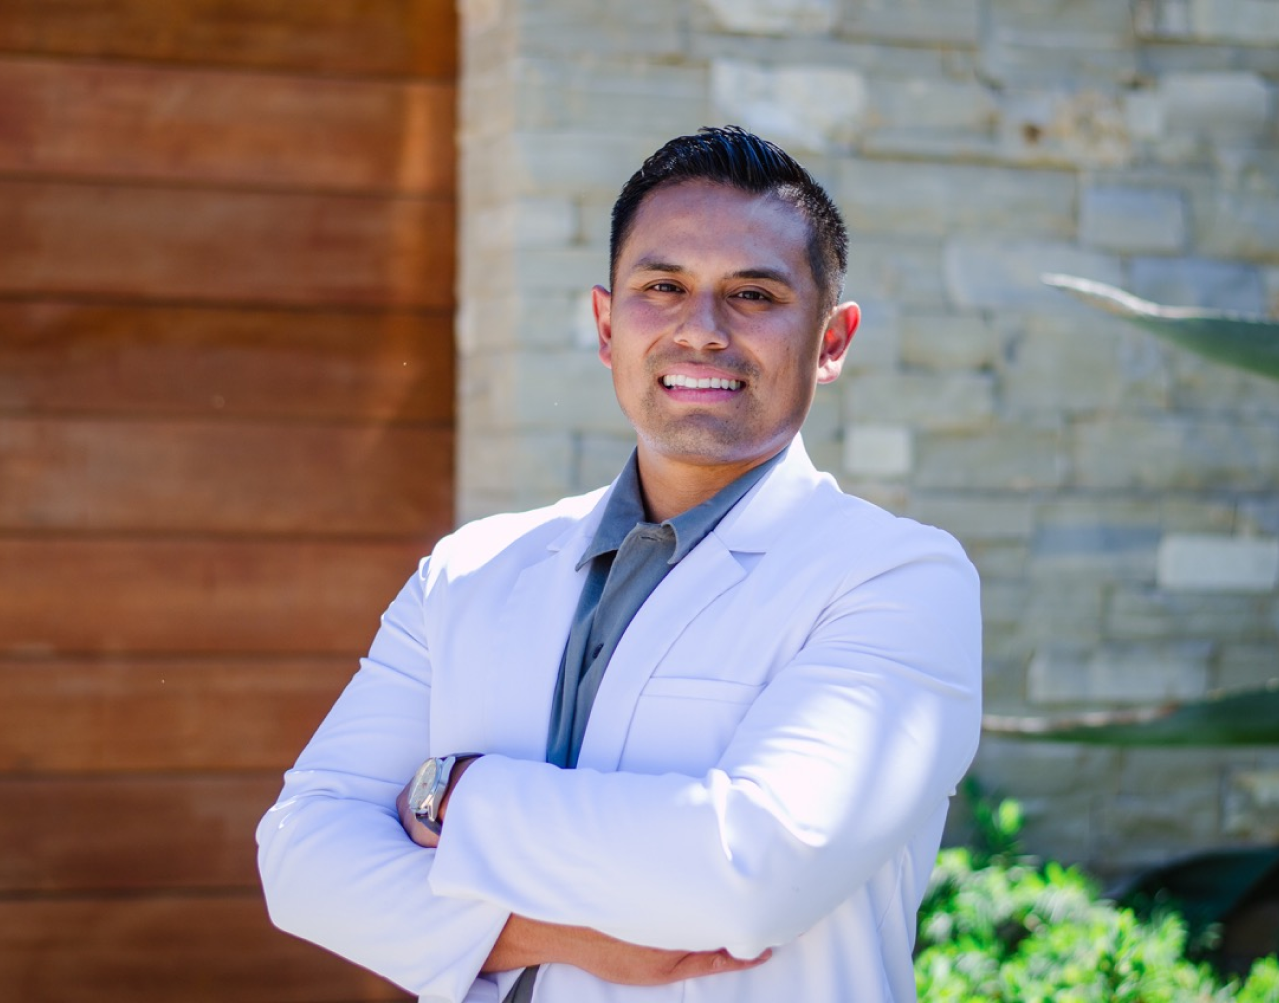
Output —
<point x="1249" y="717"/>
<point x="1250" y="343"/>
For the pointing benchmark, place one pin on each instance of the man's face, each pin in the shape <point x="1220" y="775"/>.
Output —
<point x="714" y="329"/>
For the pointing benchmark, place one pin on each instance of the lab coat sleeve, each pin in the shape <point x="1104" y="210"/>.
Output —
<point x="849" y="750"/>
<point x="337" y="867"/>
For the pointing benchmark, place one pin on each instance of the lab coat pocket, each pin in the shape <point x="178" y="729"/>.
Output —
<point x="683" y="724"/>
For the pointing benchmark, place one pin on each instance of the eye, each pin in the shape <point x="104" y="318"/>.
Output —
<point x="754" y="295"/>
<point x="664" y="287"/>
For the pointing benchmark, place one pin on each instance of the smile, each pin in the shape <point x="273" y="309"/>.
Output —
<point x="709" y="383"/>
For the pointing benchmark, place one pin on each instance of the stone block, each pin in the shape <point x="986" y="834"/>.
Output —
<point x="984" y="517"/>
<point x="561" y="94"/>
<point x="1059" y="608"/>
<point x="1259" y="516"/>
<point x="950" y="22"/>
<point x="1241" y="225"/>
<point x="1224" y="106"/>
<point x="935" y="199"/>
<point x="996" y="559"/>
<point x="987" y="272"/>
<point x="505" y="472"/>
<point x="1240" y="22"/>
<point x="1138" y="612"/>
<point x="1246" y="665"/>
<point x="921" y="104"/>
<point x="525" y="222"/>
<point x="1133" y="220"/>
<point x="877" y="345"/>
<point x="1144" y="829"/>
<point x="1192" y="562"/>
<point x="1101" y="551"/>
<point x="872" y="450"/>
<point x="1199" y="282"/>
<point x="941" y="401"/>
<point x="1119" y="673"/>
<point x="1020" y="458"/>
<point x="908" y="272"/>
<point x="1173" y="453"/>
<point x="1046" y="769"/>
<point x="565" y="270"/>
<point x="775" y="17"/>
<point x="1003" y="603"/>
<point x="574" y="163"/>
<point x="1202" y="386"/>
<point x="655" y="29"/>
<point x="1099" y="22"/>
<point x="1065" y="127"/>
<point x="802" y="108"/>
<point x="1068" y="364"/>
<point x="600" y="459"/>
<point x="949" y="341"/>
<point x="1251" y="804"/>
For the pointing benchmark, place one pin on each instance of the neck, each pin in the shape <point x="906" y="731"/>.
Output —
<point x="671" y="487"/>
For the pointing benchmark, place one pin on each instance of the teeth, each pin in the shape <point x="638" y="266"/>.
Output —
<point x="711" y="383"/>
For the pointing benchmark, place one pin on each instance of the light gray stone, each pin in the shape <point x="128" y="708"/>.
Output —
<point x="984" y="517"/>
<point x="600" y="459"/>
<point x="800" y="107"/>
<point x="775" y="17"/>
<point x="1019" y="458"/>
<point x="985" y="272"/>
<point x="575" y="163"/>
<point x="1103" y="551"/>
<point x="877" y="344"/>
<point x="1241" y="225"/>
<point x="1225" y="106"/>
<point x="1246" y="665"/>
<point x="654" y="29"/>
<point x="1145" y="829"/>
<point x="1201" y="282"/>
<point x="997" y="559"/>
<point x="921" y="104"/>
<point x="1139" y="612"/>
<point x="571" y="94"/>
<point x="906" y="271"/>
<point x="949" y="341"/>
<point x="877" y="450"/>
<point x="1064" y="127"/>
<point x="1242" y="22"/>
<point x="1133" y="220"/>
<point x="501" y="472"/>
<point x="954" y="22"/>
<point x="1119" y="673"/>
<point x="1172" y="452"/>
<point x="1251" y="804"/>
<point x="942" y="401"/>
<point x="935" y="199"/>
<point x="1208" y="563"/>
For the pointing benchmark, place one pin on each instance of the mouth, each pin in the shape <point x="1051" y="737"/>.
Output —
<point x="672" y="381"/>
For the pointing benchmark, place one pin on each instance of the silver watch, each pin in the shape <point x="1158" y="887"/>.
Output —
<point x="428" y="787"/>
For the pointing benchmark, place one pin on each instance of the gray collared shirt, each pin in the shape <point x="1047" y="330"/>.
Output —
<point x="628" y="559"/>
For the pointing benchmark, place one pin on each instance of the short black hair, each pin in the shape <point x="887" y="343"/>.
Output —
<point x="729" y="155"/>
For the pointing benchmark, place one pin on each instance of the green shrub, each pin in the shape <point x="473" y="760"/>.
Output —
<point x="998" y="926"/>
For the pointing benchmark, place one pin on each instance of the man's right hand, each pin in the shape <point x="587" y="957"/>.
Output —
<point x="526" y="942"/>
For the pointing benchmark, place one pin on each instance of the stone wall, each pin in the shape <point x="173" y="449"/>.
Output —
<point x="1121" y="499"/>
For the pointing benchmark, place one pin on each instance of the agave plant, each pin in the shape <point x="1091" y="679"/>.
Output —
<point x="1216" y="887"/>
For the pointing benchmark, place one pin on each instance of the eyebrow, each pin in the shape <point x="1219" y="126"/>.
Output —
<point x="763" y="274"/>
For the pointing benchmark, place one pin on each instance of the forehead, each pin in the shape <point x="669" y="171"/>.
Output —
<point x="699" y="223"/>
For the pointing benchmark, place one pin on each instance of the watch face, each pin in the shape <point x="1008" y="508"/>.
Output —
<point x="423" y="785"/>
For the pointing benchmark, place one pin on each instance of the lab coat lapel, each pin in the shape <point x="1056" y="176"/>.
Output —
<point x="705" y="574"/>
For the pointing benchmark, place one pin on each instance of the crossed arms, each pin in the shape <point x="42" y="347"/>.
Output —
<point x="845" y="753"/>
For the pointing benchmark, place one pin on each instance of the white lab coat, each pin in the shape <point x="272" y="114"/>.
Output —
<point x="768" y="761"/>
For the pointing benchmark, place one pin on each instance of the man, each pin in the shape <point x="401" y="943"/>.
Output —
<point x="708" y="719"/>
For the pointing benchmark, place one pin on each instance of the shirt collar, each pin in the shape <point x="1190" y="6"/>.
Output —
<point x="625" y="510"/>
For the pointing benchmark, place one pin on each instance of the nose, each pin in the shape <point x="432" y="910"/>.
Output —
<point x="702" y="328"/>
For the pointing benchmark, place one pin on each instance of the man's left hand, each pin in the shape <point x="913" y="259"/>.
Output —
<point x="416" y="830"/>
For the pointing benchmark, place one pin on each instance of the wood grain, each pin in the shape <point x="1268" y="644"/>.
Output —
<point x="103" y="120"/>
<point x="211" y="477"/>
<point x="198" y="596"/>
<point x="381" y="37"/>
<point x="241" y="247"/>
<point x="197" y="949"/>
<point x="116" y="714"/>
<point x="126" y="834"/>
<point x="60" y="358"/>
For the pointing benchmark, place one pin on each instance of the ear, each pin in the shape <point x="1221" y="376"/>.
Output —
<point x="840" y="328"/>
<point x="602" y="304"/>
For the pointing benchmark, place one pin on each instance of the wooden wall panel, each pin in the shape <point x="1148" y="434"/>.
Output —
<point x="99" y="715"/>
<point x="181" y="244"/>
<point x="212" y="477"/>
<point x="130" y="834"/>
<point x="140" y="359"/>
<point x="364" y="37"/>
<point x="157" y="595"/>
<point x="193" y="949"/>
<point x="226" y="437"/>
<point x="256" y="129"/>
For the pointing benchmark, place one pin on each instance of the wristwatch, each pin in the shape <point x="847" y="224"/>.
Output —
<point x="428" y="787"/>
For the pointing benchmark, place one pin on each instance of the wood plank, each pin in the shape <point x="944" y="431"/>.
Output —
<point x="239" y="247"/>
<point x="381" y="37"/>
<point x="129" y="834"/>
<point x="146" y="360"/>
<point x="210" y="476"/>
<point x="118" y="714"/>
<point x="193" y="949"/>
<point x="256" y="129"/>
<point x="197" y="596"/>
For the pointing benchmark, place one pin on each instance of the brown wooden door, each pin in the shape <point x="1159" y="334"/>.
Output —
<point x="226" y="436"/>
